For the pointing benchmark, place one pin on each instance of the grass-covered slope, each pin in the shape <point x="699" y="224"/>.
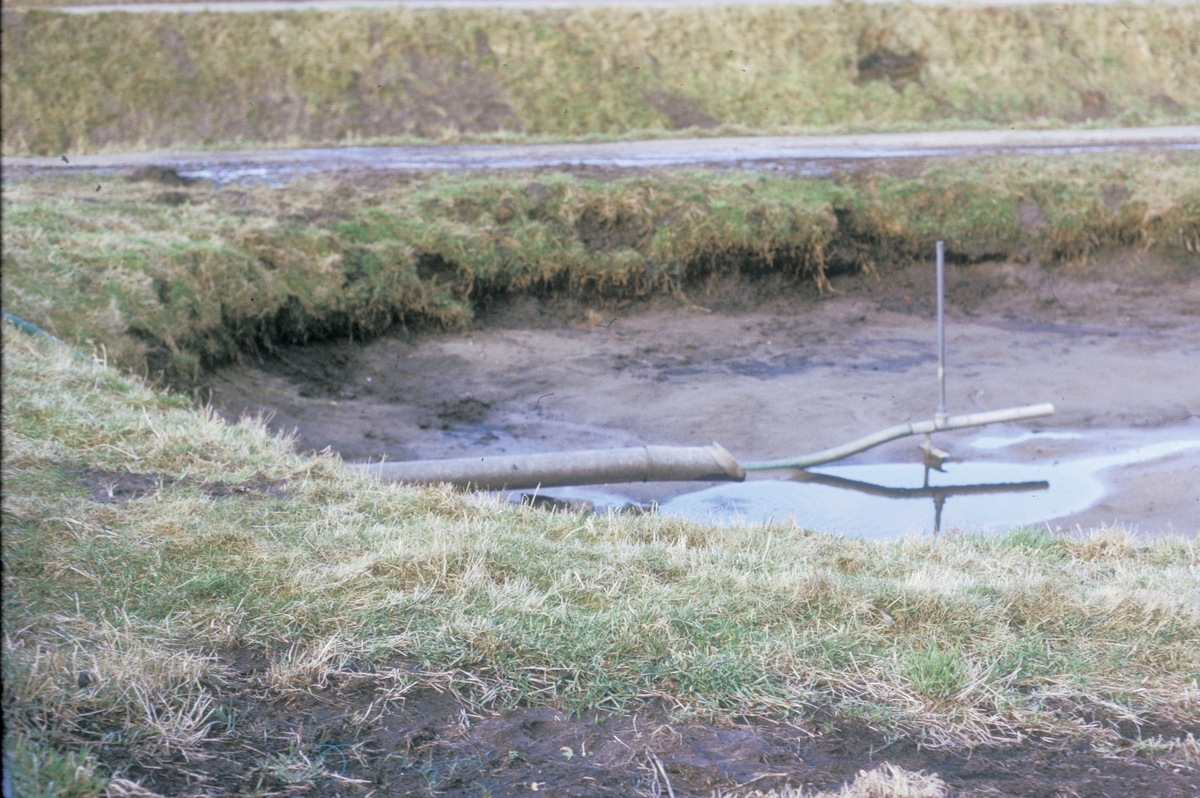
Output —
<point x="75" y="84"/>
<point x="179" y="278"/>
<point x="122" y="618"/>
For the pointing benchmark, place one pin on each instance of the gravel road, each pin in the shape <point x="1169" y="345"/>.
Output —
<point x="813" y="155"/>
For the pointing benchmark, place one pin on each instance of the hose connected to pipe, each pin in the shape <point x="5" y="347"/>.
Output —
<point x="903" y="431"/>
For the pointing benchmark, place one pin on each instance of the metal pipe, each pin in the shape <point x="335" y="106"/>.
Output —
<point x="902" y="431"/>
<point x="941" y="327"/>
<point x="638" y="464"/>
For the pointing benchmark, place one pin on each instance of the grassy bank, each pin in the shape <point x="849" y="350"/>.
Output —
<point x="171" y="279"/>
<point x="75" y="84"/>
<point x="125" y="614"/>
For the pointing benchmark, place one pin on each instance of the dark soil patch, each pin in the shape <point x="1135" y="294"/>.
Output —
<point x="681" y="111"/>
<point x="599" y="234"/>
<point x="898" y="69"/>
<point x="160" y="174"/>
<point x="1030" y="217"/>
<point x="428" y="742"/>
<point x="438" y="91"/>
<point x="467" y="410"/>
<point x="175" y="198"/>
<point x="1093" y="104"/>
<point x="123" y="486"/>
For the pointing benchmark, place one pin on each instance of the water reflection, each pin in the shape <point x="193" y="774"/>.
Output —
<point x="939" y="493"/>
<point x="890" y="499"/>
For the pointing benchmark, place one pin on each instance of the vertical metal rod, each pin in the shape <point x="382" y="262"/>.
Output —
<point x="941" y="323"/>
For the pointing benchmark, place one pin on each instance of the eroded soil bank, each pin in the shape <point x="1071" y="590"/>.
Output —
<point x="773" y="368"/>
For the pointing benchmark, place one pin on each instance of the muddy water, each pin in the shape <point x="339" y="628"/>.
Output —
<point x="770" y="370"/>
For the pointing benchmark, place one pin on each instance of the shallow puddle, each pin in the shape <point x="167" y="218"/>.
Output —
<point x="881" y="499"/>
<point x="887" y="499"/>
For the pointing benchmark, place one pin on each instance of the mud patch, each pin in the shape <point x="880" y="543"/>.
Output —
<point x="160" y="174"/>
<point x="467" y="410"/>
<point x="898" y="69"/>
<point x="124" y="486"/>
<point x="173" y="198"/>
<point x="1093" y="104"/>
<point x="363" y="735"/>
<point x="682" y="111"/>
<point x="1114" y="196"/>
<point x="1031" y="218"/>
<point x="601" y="233"/>
<point x="441" y="94"/>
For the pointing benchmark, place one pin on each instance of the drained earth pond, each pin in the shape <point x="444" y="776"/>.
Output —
<point x="201" y="599"/>
<point x="766" y="374"/>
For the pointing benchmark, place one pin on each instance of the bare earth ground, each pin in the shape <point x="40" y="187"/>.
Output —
<point x="430" y="743"/>
<point x="770" y="369"/>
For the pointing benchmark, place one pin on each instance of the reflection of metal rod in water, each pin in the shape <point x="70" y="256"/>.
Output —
<point x="918" y="493"/>
<point x="902" y="431"/>
<point x="939" y="493"/>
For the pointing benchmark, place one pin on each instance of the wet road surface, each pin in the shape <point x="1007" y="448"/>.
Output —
<point x="808" y="155"/>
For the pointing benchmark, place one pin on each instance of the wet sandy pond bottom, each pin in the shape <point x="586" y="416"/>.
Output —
<point x="770" y="370"/>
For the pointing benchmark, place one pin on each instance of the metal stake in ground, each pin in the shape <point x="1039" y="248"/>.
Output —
<point x="940" y="416"/>
<point x="935" y="457"/>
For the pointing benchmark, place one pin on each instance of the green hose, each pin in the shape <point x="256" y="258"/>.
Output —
<point x="33" y="329"/>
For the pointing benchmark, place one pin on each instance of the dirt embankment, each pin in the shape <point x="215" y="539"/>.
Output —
<point x="770" y="369"/>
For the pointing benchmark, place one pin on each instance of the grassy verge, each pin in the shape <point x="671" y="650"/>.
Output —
<point x="83" y="83"/>
<point x="169" y="281"/>
<point x="122" y="618"/>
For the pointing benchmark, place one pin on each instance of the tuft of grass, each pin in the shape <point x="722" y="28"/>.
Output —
<point x="292" y="770"/>
<point x="120" y="618"/>
<point x="74" y="84"/>
<point x="886" y="781"/>
<point x="935" y="672"/>
<point x="36" y="770"/>
<point x="167" y="289"/>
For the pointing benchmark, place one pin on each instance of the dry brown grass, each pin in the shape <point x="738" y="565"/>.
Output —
<point x="119" y="81"/>
<point x="887" y="781"/>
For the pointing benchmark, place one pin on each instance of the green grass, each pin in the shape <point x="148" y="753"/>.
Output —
<point x="74" y="84"/>
<point x="39" y="771"/>
<point x="965" y="640"/>
<point x="171" y="282"/>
